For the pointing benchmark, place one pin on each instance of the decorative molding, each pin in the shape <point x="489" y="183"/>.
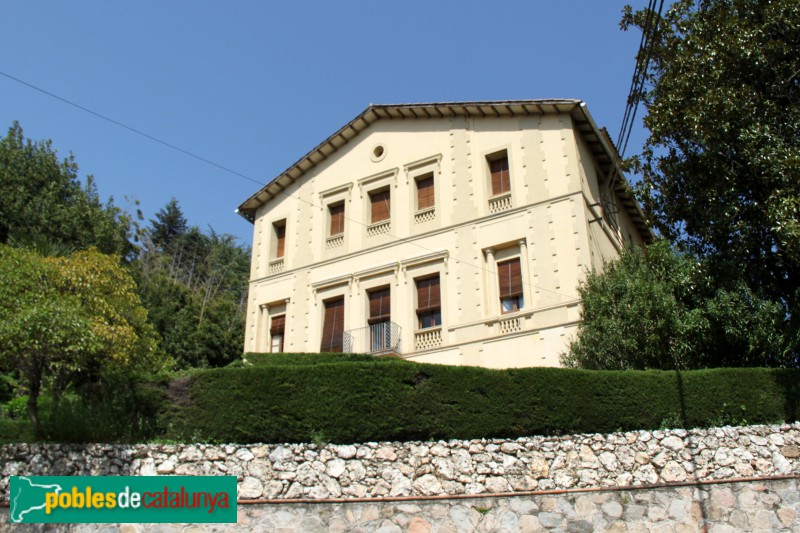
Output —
<point x="427" y="258"/>
<point x="331" y="282"/>
<point x="434" y="160"/>
<point x="390" y="268"/>
<point x="346" y="188"/>
<point x="389" y="175"/>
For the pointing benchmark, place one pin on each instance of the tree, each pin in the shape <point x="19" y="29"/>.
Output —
<point x="62" y="318"/>
<point x="41" y="196"/>
<point x="657" y="308"/>
<point x="721" y="167"/>
<point x="168" y="225"/>
<point x="194" y="286"/>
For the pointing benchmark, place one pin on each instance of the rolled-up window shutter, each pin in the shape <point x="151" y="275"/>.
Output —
<point x="501" y="180"/>
<point x="380" y="206"/>
<point x="333" y="326"/>
<point x="379" y="305"/>
<point x="509" y="277"/>
<point x="278" y="325"/>
<point x="425" y="198"/>
<point x="280" y="235"/>
<point x="428" y="294"/>
<point x="337" y="219"/>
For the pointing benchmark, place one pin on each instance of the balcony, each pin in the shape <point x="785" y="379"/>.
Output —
<point x="382" y="338"/>
<point x="500" y="203"/>
<point x="276" y="266"/>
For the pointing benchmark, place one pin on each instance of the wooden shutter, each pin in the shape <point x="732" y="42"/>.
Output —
<point x="278" y="325"/>
<point x="337" y="219"/>
<point x="425" y="193"/>
<point x="501" y="181"/>
<point x="280" y="235"/>
<point x="509" y="277"/>
<point x="380" y="206"/>
<point x="333" y="326"/>
<point x="379" y="305"/>
<point x="428" y="294"/>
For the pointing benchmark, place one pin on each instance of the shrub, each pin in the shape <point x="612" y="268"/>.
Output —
<point x="372" y="400"/>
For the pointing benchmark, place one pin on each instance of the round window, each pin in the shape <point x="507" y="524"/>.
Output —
<point x="378" y="153"/>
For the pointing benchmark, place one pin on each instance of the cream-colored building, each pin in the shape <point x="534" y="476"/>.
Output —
<point x="451" y="233"/>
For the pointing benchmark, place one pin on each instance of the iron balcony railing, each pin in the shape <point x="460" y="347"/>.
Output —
<point x="378" y="339"/>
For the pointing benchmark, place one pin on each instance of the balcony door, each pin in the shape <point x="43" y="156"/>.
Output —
<point x="379" y="316"/>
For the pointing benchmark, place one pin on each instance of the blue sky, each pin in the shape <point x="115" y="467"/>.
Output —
<point x="253" y="85"/>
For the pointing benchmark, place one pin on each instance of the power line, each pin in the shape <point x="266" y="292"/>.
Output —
<point x="643" y="56"/>
<point x="131" y="129"/>
<point x="243" y="176"/>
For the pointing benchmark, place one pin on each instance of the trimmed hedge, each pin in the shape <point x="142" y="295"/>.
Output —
<point x="272" y="359"/>
<point x="371" y="401"/>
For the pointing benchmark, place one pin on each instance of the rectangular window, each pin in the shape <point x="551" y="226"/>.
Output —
<point x="380" y="206"/>
<point x="337" y="219"/>
<point x="280" y="238"/>
<point x="501" y="179"/>
<point x="379" y="315"/>
<point x="379" y="305"/>
<point x="509" y="277"/>
<point x="333" y="326"/>
<point x="425" y="191"/>
<point x="276" y="330"/>
<point x="429" y="303"/>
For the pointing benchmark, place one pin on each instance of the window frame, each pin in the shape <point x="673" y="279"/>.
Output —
<point x="279" y="239"/>
<point x="387" y="190"/>
<point x="433" y="312"/>
<point x="491" y="159"/>
<point x="338" y="342"/>
<point x="417" y="180"/>
<point x="273" y="332"/>
<point x="336" y="205"/>
<point x="514" y="293"/>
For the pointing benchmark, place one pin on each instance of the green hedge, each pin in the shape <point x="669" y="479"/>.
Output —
<point x="272" y="359"/>
<point x="371" y="400"/>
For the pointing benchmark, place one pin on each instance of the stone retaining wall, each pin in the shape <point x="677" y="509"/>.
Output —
<point x="767" y="505"/>
<point x="457" y="467"/>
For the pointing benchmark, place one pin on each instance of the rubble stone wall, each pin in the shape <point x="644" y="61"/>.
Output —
<point x="768" y="506"/>
<point x="456" y="467"/>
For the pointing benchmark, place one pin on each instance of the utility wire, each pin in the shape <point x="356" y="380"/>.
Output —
<point x="248" y="178"/>
<point x="643" y="56"/>
<point x="129" y="128"/>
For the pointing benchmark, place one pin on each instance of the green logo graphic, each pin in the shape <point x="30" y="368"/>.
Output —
<point x="123" y="499"/>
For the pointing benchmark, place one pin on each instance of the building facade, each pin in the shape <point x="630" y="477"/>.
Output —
<point x="452" y="233"/>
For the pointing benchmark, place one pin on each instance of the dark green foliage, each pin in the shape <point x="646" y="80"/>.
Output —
<point x="372" y="400"/>
<point x="720" y="167"/>
<point x="117" y="408"/>
<point x="272" y="359"/>
<point x="656" y="308"/>
<point x="168" y="225"/>
<point x="194" y="286"/>
<point x="42" y="197"/>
